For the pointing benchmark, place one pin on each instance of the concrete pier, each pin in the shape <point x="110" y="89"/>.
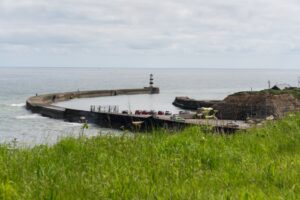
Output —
<point x="42" y="104"/>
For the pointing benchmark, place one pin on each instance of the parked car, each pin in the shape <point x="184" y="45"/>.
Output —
<point x="138" y="112"/>
<point x="152" y="112"/>
<point x="168" y="113"/>
<point x="160" y="113"/>
<point x="144" y="112"/>
<point x="184" y="112"/>
<point x="176" y="118"/>
<point x="125" y="112"/>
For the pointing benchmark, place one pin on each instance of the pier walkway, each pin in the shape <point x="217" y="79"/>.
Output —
<point x="42" y="104"/>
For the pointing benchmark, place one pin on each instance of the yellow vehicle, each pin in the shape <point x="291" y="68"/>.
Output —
<point x="206" y="113"/>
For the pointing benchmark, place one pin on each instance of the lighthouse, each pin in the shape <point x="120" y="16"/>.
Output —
<point x="151" y="88"/>
<point x="151" y="81"/>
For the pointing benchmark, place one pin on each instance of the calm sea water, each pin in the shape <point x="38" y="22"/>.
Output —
<point x="17" y="84"/>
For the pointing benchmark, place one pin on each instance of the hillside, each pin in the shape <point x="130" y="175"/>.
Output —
<point x="262" y="163"/>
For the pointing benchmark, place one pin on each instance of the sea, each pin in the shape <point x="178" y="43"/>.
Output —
<point x="18" y="125"/>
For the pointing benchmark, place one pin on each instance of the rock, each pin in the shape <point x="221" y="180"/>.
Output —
<point x="256" y="105"/>
<point x="192" y="104"/>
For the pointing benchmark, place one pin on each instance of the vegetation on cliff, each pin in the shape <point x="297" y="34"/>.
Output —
<point x="293" y="91"/>
<point x="262" y="163"/>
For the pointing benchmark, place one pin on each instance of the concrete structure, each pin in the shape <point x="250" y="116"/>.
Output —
<point x="192" y="104"/>
<point x="42" y="104"/>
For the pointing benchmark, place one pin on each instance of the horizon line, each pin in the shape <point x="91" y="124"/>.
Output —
<point x="159" y="67"/>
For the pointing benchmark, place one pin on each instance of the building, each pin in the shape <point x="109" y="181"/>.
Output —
<point x="281" y="86"/>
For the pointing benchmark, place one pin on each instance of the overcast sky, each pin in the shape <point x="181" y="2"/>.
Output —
<point x="150" y="33"/>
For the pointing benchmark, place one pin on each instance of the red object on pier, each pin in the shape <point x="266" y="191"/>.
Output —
<point x="138" y="112"/>
<point x="160" y="113"/>
<point x="145" y="112"/>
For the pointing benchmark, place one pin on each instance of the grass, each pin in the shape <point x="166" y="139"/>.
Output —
<point x="262" y="163"/>
<point x="293" y="91"/>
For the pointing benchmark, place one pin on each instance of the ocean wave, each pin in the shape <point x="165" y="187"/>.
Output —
<point x="18" y="104"/>
<point x="32" y="116"/>
<point x="73" y="124"/>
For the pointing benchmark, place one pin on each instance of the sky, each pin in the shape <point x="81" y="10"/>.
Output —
<point x="150" y="33"/>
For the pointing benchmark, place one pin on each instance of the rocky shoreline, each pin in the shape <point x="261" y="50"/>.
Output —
<point x="192" y="104"/>
<point x="248" y="105"/>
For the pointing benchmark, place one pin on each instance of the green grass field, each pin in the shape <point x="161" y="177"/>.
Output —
<point x="262" y="163"/>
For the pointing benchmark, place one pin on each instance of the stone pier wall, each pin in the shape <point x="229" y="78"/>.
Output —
<point x="42" y="104"/>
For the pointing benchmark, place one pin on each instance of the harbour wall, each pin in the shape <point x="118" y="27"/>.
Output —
<point x="42" y="104"/>
<point x="47" y="99"/>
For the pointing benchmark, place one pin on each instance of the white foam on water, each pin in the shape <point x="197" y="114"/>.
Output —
<point x="73" y="124"/>
<point x="32" y="116"/>
<point x="18" y="104"/>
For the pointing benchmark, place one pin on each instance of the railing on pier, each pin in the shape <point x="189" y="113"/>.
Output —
<point x="105" y="109"/>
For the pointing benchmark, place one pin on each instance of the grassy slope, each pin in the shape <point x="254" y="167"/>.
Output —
<point x="260" y="164"/>
<point x="293" y="91"/>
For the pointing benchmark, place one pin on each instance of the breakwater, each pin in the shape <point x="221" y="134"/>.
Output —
<point x="43" y="104"/>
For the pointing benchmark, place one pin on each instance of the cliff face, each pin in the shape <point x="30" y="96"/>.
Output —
<point x="240" y="106"/>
